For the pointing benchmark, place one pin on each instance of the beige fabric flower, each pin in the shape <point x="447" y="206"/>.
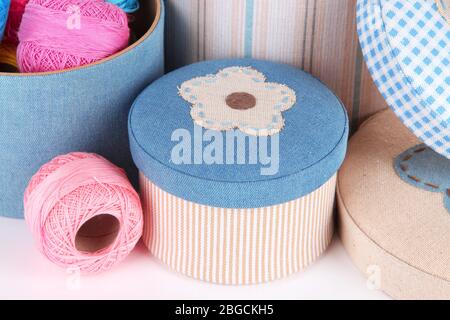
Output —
<point x="238" y="97"/>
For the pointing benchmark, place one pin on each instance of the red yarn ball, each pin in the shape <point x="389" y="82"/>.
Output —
<point x="47" y="43"/>
<point x="16" y="10"/>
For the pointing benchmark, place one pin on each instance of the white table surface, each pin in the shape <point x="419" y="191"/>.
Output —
<point x="25" y="274"/>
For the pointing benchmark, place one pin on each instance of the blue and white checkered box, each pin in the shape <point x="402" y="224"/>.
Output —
<point x="406" y="44"/>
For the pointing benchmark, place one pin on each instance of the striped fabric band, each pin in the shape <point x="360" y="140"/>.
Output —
<point x="237" y="246"/>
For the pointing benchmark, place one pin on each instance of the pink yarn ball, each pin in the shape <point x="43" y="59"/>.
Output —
<point x="63" y="34"/>
<point x="83" y="212"/>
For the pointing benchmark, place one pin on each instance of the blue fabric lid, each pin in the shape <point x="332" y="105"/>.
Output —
<point x="181" y="133"/>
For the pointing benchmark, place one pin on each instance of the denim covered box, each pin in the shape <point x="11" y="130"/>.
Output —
<point x="238" y="160"/>
<point x="406" y="45"/>
<point x="394" y="210"/>
<point x="84" y="109"/>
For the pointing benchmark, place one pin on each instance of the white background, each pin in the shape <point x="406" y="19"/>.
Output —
<point x="25" y="274"/>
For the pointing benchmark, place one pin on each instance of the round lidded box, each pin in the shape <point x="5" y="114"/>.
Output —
<point x="43" y="115"/>
<point x="238" y="161"/>
<point x="394" y="210"/>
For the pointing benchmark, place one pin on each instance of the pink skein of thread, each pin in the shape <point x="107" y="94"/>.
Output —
<point x="16" y="10"/>
<point x="63" y="34"/>
<point x="83" y="212"/>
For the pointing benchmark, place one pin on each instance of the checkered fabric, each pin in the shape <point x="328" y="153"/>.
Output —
<point x="406" y="44"/>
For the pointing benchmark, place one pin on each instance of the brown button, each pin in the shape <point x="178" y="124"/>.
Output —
<point x="241" y="100"/>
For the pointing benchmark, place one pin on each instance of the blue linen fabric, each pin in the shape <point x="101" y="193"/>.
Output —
<point x="42" y="116"/>
<point x="312" y="143"/>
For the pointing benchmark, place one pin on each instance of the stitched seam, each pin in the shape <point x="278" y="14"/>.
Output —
<point x="404" y="168"/>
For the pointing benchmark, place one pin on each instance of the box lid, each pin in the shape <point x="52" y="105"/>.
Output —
<point x="238" y="133"/>
<point x="406" y="45"/>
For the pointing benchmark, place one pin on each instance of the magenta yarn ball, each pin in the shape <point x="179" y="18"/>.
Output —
<point x="63" y="34"/>
<point x="83" y="212"/>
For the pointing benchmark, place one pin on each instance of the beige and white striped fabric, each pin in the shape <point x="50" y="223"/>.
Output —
<point x="237" y="246"/>
<point x="318" y="36"/>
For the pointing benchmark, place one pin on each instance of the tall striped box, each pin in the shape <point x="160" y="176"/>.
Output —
<point x="43" y="115"/>
<point x="237" y="163"/>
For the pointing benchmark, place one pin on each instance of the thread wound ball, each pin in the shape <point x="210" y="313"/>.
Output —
<point x="129" y="6"/>
<point x="83" y="212"/>
<point x="63" y="34"/>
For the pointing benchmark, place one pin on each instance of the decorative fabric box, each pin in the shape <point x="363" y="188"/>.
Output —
<point x="407" y="48"/>
<point x="84" y="109"/>
<point x="237" y="164"/>
<point x="394" y="203"/>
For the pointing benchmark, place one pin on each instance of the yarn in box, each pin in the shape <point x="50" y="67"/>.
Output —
<point x="45" y="115"/>
<point x="57" y="35"/>
<point x="4" y="6"/>
<point x="83" y="212"/>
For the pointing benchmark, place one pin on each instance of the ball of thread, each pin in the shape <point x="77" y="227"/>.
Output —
<point x="71" y="191"/>
<point x="4" y="7"/>
<point x="8" y="58"/>
<point x="63" y="34"/>
<point x="16" y="11"/>
<point x="129" y="6"/>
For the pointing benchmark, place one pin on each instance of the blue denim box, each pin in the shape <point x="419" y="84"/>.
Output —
<point x="84" y="109"/>
<point x="238" y="160"/>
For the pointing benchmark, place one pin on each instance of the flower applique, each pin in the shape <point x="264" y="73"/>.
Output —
<point x="238" y="98"/>
<point x="425" y="169"/>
